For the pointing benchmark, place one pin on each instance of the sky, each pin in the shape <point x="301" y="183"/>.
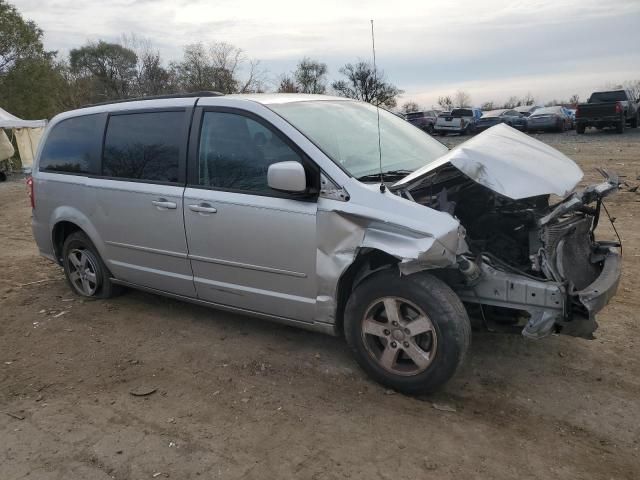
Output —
<point x="492" y="49"/>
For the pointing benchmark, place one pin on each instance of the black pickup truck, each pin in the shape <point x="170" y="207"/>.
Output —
<point x="608" y="109"/>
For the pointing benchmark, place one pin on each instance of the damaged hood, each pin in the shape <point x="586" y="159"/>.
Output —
<point x="508" y="162"/>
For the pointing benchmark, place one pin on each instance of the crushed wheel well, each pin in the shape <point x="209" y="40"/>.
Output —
<point x="367" y="261"/>
<point x="60" y="233"/>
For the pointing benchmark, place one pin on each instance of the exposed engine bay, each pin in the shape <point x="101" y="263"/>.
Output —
<point x="527" y="254"/>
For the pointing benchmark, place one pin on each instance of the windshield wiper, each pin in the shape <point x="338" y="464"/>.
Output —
<point x="389" y="174"/>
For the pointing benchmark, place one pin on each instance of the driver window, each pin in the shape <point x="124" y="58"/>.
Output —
<point x="236" y="151"/>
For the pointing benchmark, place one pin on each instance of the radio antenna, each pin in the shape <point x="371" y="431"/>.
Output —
<point x="375" y="82"/>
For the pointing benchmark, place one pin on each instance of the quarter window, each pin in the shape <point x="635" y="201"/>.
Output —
<point x="73" y="145"/>
<point x="236" y="151"/>
<point x="144" y="146"/>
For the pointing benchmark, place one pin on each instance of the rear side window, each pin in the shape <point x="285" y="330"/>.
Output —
<point x="459" y="113"/>
<point x="73" y="145"/>
<point x="235" y="153"/>
<point x="144" y="146"/>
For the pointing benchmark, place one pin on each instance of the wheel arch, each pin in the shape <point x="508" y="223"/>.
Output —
<point x="367" y="262"/>
<point x="65" y="221"/>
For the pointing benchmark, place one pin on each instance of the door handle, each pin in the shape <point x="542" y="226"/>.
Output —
<point x="163" y="203"/>
<point x="203" y="208"/>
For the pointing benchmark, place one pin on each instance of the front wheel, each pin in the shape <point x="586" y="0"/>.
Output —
<point x="409" y="333"/>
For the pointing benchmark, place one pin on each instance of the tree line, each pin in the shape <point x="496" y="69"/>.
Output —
<point x="38" y="83"/>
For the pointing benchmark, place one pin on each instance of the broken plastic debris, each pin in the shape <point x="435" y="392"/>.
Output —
<point x="143" y="391"/>
<point x="443" y="408"/>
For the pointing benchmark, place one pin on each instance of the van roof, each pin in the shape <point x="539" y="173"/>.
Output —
<point x="188" y="100"/>
<point x="264" y="98"/>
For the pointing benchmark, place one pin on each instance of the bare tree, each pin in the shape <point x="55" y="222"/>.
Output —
<point x="255" y="81"/>
<point x="195" y="72"/>
<point x="287" y="85"/>
<point x="512" y="102"/>
<point x="218" y="67"/>
<point x="445" y="102"/>
<point x="574" y="99"/>
<point x="410" y="106"/>
<point x="461" y="99"/>
<point x="487" y="106"/>
<point x="634" y="87"/>
<point x="311" y="75"/>
<point x="152" y="78"/>
<point x="528" y="99"/>
<point x="363" y="83"/>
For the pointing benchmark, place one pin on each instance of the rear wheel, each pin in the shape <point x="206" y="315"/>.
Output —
<point x="580" y="129"/>
<point x="86" y="273"/>
<point x="620" y="126"/>
<point x="634" y="121"/>
<point x="409" y="333"/>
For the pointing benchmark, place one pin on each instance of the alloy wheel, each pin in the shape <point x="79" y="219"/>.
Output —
<point x="399" y="336"/>
<point x="82" y="272"/>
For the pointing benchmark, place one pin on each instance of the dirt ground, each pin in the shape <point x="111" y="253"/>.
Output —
<point x="241" y="398"/>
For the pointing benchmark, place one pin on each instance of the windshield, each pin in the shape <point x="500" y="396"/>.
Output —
<point x="414" y="115"/>
<point x="601" y="97"/>
<point x="347" y="132"/>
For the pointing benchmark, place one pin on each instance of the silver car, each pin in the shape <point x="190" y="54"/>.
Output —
<point x="549" y="119"/>
<point x="291" y="208"/>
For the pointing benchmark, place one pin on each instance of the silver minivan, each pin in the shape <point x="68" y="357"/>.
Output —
<point x="302" y="210"/>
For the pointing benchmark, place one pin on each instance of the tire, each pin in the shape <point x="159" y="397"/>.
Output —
<point x="620" y="126"/>
<point x="86" y="273"/>
<point x="634" y="121"/>
<point x="441" y="343"/>
<point x="3" y="176"/>
<point x="580" y="129"/>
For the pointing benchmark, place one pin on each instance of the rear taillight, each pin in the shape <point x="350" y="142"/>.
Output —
<point x="30" y="192"/>
<point x="462" y="122"/>
<point x="577" y="110"/>
<point x="618" y="107"/>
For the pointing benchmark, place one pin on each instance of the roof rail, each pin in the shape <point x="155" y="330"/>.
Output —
<point x="206" y="93"/>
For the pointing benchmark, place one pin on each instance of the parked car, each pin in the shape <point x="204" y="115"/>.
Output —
<point x="423" y="120"/>
<point x="526" y="110"/>
<point x="272" y="206"/>
<point x="494" y="117"/>
<point x="459" y="120"/>
<point x="548" y="119"/>
<point x="616" y="108"/>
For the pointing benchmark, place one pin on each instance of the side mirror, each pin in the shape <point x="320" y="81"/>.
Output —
<point x="287" y="177"/>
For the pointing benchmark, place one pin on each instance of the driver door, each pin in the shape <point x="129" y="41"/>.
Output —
<point x="250" y="247"/>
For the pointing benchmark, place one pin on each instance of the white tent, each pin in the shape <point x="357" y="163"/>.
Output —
<point x="11" y="121"/>
<point x="27" y="132"/>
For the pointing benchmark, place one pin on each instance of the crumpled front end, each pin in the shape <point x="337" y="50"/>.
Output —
<point x="572" y="276"/>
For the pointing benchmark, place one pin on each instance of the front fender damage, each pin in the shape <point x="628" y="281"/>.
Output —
<point x="343" y="235"/>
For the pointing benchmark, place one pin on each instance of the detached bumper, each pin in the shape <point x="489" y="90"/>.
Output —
<point x="594" y="298"/>
<point x="597" y="295"/>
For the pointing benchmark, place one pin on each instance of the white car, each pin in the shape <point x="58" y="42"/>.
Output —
<point x="458" y="120"/>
